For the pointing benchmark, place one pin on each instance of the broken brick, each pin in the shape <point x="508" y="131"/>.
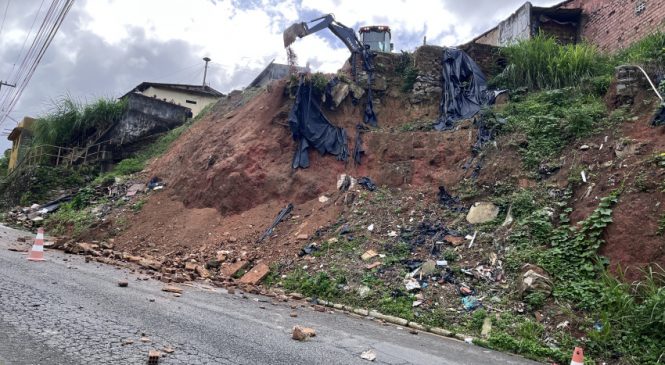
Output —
<point x="232" y="269"/>
<point x="454" y="240"/>
<point x="256" y="274"/>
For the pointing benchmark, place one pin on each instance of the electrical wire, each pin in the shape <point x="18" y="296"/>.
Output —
<point x="2" y="26"/>
<point x="47" y="31"/>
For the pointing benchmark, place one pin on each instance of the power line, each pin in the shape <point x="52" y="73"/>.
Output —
<point x="4" y="16"/>
<point x="47" y="31"/>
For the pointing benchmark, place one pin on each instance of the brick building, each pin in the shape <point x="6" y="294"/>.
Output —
<point x="615" y="24"/>
<point x="609" y="24"/>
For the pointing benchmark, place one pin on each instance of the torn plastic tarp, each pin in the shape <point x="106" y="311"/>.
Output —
<point x="464" y="89"/>
<point x="310" y="128"/>
<point x="280" y="216"/>
<point x="367" y="183"/>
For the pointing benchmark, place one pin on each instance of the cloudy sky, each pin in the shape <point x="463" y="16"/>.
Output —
<point x="106" y="47"/>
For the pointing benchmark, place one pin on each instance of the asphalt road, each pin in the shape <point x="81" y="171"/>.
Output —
<point x="67" y="311"/>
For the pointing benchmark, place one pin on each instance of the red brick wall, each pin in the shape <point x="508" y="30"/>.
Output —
<point x="613" y="24"/>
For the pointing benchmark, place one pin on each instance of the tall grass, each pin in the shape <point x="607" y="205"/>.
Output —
<point x="648" y="52"/>
<point x="70" y="121"/>
<point x="542" y="63"/>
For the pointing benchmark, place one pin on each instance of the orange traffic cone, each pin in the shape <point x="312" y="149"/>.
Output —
<point x="578" y="356"/>
<point x="37" y="251"/>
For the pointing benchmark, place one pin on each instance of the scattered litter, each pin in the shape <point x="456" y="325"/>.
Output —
<point x="282" y="213"/>
<point x="367" y="183"/>
<point x="373" y="265"/>
<point x="470" y="303"/>
<point x="473" y="239"/>
<point x="469" y="340"/>
<point x="323" y="199"/>
<point x="563" y="324"/>
<point x="155" y="183"/>
<point x="368" y="255"/>
<point x="370" y="227"/>
<point x="307" y="250"/>
<point x="583" y="176"/>
<point x="368" y="355"/>
<point x="441" y="263"/>
<point x="392" y="234"/>
<point x="411" y="284"/>
<point x="417" y="303"/>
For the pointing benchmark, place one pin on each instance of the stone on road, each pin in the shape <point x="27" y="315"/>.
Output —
<point x="87" y="318"/>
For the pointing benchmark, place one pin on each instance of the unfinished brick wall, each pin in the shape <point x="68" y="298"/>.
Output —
<point x="614" y="24"/>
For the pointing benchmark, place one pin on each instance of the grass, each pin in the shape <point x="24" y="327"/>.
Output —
<point x="551" y="120"/>
<point x="69" y="220"/>
<point x="542" y="63"/>
<point x="71" y="122"/>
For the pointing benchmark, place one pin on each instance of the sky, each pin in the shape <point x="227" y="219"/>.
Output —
<point x="106" y="47"/>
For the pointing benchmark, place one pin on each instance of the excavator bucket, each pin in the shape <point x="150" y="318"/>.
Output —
<point x="297" y="30"/>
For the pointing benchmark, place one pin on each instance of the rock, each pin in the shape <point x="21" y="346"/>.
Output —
<point x="172" y="289"/>
<point x="482" y="212"/>
<point x="145" y="339"/>
<point x="302" y="333"/>
<point x="293" y="314"/>
<point x="323" y="199"/>
<point x="535" y="280"/>
<point x="256" y="274"/>
<point x="123" y="283"/>
<point x="411" y="284"/>
<point x="487" y="327"/>
<point x="168" y="349"/>
<point x="232" y="239"/>
<point x="356" y="91"/>
<point x="190" y="266"/>
<point x="222" y="255"/>
<point x="454" y="240"/>
<point x="368" y="255"/>
<point x="296" y="296"/>
<point x="369" y="355"/>
<point x="150" y="264"/>
<point x="302" y="237"/>
<point x="202" y="271"/>
<point x="339" y="93"/>
<point x="128" y="341"/>
<point x="363" y="291"/>
<point x="232" y="269"/>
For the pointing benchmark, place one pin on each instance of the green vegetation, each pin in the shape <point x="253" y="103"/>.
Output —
<point x="408" y="71"/>
<point x="550" y="120"/>
<point x="649" y="52"/>
<point x="320" y="285"/>
<point x="69" y="220"/>
<point x="542" y="63"/>
<point x="70" y="121"/>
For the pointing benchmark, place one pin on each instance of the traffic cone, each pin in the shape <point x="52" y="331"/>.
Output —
<point x="578" y="356"/>
<point x="37" y="251"/>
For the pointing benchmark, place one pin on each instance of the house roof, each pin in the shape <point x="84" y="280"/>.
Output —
<point x="187" y="89"/>
<point x="274" y="71"/>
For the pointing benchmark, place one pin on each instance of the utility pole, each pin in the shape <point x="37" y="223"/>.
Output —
<point x="205" y="70"/>
<point x="6" y="84"/>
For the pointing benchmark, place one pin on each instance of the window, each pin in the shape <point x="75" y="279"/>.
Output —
<point x="190" y="101"/>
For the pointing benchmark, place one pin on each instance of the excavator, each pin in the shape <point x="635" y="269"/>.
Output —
<point x="375" y="38"/>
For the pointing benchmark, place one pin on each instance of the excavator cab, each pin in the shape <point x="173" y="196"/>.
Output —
<point x="377" y="37"/>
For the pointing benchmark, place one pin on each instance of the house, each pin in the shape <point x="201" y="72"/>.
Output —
<point x="611" y="25"/>
<point x="274" y="71"/>
<point x="21" y="137"/>
<point x="194" y="97"/>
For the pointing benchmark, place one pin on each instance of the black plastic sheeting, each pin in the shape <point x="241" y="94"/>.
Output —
<point x="464" y="89"/>
<point x="310" y="128"/>
<point x="367" y="183"/>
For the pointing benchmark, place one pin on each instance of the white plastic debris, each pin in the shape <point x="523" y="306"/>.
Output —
<point x="323" y="199"/>
<point x="469" y="340"/>
<point x="392" y="234"/>
<point x="368" y="355"/>
<point x="583" y="176"/>
<point x="370" y="227"/>
<point x="441" y="263"/>
<point x="411" y="284"/>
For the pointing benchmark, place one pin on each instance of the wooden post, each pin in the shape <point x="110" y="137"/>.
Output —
<point x="57" y="159"/>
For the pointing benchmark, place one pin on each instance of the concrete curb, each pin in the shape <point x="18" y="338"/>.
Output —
<point x="398" y="321"/>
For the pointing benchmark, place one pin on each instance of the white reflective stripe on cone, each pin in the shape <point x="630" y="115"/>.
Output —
<point x="40" y="236"/>
<point x="38" y="248"/>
